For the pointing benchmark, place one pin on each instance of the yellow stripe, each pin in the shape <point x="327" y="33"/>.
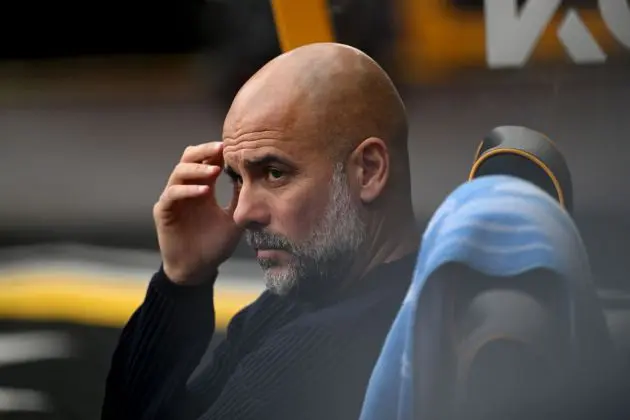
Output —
<point x="526" y="155"/>
<point x="301" y="22"/>
<point x="90" y="299"/>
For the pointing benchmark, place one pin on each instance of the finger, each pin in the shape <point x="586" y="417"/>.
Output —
<point x="194" y="173"/>
<point x="209" y="152"/>
<point x="181" y="192"/>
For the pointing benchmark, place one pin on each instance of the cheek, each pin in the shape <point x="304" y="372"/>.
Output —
<point x="297" y="214"/>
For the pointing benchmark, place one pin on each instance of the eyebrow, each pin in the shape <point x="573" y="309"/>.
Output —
<point x="257" y="162"/>
<point x="231" y="173"/>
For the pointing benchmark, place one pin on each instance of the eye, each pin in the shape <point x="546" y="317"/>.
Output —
<point x="275" y="173"/>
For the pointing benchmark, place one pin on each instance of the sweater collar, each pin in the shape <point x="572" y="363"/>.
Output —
<point x="395" y="274"/>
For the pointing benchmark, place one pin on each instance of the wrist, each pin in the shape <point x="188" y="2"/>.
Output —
<point x="196" y="278"/>
<point x="186" y="297"/>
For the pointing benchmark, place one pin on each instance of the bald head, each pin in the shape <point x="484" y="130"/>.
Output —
<point x="317" y="143"/>
<point x="334" y="91"/>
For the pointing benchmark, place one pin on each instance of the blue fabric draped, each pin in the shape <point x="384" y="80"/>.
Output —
<point x="498" y="225"/>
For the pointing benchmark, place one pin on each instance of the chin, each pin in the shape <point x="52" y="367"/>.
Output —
<point x="279" y="280"/>
<point x="276" y="271"/>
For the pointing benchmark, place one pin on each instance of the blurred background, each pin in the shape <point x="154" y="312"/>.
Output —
<point x="98" y="100"/>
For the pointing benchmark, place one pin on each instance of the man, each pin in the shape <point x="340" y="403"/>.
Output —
<point x="316" y="144"/>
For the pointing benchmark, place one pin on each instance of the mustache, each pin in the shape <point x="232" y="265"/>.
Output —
<point x="259" y="239"/>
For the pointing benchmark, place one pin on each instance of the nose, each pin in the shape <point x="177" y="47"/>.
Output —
<point x="251" y="209"/>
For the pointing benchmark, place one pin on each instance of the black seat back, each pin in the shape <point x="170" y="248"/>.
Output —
<point x="501" y="347"/>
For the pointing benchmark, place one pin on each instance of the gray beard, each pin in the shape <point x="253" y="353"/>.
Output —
<point x="329" y="251"/>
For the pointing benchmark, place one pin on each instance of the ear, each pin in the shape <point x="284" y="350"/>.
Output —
<point x="370" y="162"/>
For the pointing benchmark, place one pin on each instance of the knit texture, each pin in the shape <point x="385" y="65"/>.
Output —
<point x="283" y="357"/>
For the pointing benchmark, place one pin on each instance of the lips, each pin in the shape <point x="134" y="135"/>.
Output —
<point x="269" y="252"/>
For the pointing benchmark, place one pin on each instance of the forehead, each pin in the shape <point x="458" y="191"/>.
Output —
<point x="252" y="145"/>
<point x="280" y="129"/>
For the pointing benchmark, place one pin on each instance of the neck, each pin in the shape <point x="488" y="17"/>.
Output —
<point x="390" y="242"/>
<point x="387" y="243"/>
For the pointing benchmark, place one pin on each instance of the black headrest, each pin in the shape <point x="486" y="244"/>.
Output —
<point x="526" y="154"/>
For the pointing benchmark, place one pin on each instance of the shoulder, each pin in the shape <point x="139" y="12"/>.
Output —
<point x="360" y="320"/>
<point x="264" y="304"/>
<point x="261" y="318"/>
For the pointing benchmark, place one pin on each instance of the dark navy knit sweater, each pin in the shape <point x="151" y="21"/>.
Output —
<point x="283" y="357"/>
